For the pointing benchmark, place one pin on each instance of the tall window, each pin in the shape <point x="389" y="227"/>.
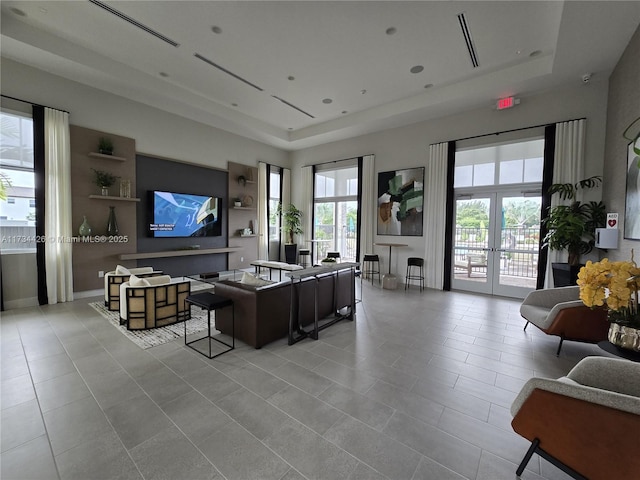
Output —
<point x="336" y="210"/>
<point x="17" y="210"/>
<point x="506" y="164"/>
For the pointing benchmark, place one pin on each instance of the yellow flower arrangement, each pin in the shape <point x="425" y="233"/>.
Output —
<point x="614" y="284"/>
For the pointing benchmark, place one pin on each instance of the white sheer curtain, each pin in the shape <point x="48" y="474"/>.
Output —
<point x="263" y="220"/>
<point x="367" y="205"/>
<point x="568" y="167"/>
<point x="435" y="216"/>
<point x="307" y="206"/>
<point x="57" y="191"/>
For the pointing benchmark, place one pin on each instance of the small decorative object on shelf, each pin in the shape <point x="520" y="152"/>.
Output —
<point x="125" y="188"/>
<point x="104" y="180"/>
<point x="237" y="202"/>
<point x="105" y="146"/>
<point x="242" y="180"/>
<point x="616" y="285"/>
<point x="85" y="229"/>
<point x="112" y="223"/>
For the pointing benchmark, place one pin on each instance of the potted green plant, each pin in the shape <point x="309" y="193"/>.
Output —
<point x="105" y="146"/>
<point x="104" y="180"/>
<point x="291" y="226"/>
<point x="572" y="227"/>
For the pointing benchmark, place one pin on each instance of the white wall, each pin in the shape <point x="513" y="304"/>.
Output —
<point x="157" y="133"/>
<point x="624" y="108"/>
<point x="409" y="146"/>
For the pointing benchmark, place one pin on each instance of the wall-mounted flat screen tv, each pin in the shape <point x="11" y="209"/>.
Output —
<point x="184" y="215"/>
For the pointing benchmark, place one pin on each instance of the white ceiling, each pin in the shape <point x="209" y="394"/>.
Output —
<point x="335" y="50"/>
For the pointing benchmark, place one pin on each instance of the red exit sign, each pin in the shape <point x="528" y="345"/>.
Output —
<point x="508" y="102"/>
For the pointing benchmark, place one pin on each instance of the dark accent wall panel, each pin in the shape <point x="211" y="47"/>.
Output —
<point x="160" y="174"/>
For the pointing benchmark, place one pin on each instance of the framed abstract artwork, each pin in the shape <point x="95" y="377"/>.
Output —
<point x="400" y="202"/>
<point x="632" y="205"/>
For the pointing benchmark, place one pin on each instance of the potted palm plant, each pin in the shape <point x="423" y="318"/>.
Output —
<point x="291" y="226"/>
<point x="572" y="227"/>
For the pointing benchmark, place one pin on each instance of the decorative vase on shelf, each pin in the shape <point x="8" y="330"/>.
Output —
<point x="112" y="223"/>
<point x="105" y="191"/>
<point x="85" y="228"/>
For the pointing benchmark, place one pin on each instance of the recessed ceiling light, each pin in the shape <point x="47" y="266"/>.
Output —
<point x="216" y="29"/>
<point x="391" y="30"/>
<point x="164" y="74"/>
<point x="363" y="91"/>
<point x="535" y="53"/>
<point x="327" y="101"/>
<point x="416" y="69"/>
<point x="234" y="104"/>
<point x="18" y="12"/>
<point x="428" y="85"/>
<point x="291" y="78"/>
<point x="518" y="52"/>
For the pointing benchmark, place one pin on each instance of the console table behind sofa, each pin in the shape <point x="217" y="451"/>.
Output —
<point x="263" y="314"/>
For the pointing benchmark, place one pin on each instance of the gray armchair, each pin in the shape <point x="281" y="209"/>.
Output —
<point x="559" y="311"/>
<point x="586" y="423"/>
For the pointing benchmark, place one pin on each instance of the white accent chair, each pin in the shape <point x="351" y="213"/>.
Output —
<point x="115" y="278"/>
<point x="153" y="302"/>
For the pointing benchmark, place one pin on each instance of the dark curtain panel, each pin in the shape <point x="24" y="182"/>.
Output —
<point x="38" y="165"/>
<point x="547" y="180"/>
<point x="359" y="212"/>
<point x="448" y="233"/>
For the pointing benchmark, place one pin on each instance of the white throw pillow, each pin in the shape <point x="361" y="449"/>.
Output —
<point x="252" y="280"/>
<point x="138" y="282"/>
<point x="120" y="270"/>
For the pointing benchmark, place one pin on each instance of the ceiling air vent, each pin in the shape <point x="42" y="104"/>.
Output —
<point x="127" y="18"/>
<point x="222" y="69"/>
<point x="468" y="40"/>
<point x="293" y="106"/>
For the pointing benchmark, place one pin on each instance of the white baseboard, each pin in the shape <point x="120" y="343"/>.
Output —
<point x="89" y="293"/>
<point x="21" y="303"/>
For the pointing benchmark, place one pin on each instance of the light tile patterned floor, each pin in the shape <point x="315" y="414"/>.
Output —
<point x="418" y="387"/>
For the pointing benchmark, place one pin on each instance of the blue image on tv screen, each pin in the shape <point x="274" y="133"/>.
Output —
<point x="185" y="215"/>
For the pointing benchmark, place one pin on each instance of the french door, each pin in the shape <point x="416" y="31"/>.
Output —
<point x="495" y="244"/>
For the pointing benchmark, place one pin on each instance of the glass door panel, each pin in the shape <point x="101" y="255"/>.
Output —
<point x="472" y="252"/>
<point x="517" y="252"/>
<point x="324" y="230"/>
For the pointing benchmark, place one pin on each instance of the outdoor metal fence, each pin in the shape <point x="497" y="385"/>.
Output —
<point x="520" y="245"/>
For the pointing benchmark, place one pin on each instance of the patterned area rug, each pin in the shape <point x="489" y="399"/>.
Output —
<point x="156" y="336"/>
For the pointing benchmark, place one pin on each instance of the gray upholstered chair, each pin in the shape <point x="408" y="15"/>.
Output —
<point x="586" y="423"/>
<point x="559" y="311"/>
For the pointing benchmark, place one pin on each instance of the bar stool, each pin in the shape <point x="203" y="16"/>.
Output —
<point x="335" y="255"/>
<point x="370" y="266"/>
<point x="210" y="301"/>
<point x="414" y="262"/>
<point x="305" y="256"/>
